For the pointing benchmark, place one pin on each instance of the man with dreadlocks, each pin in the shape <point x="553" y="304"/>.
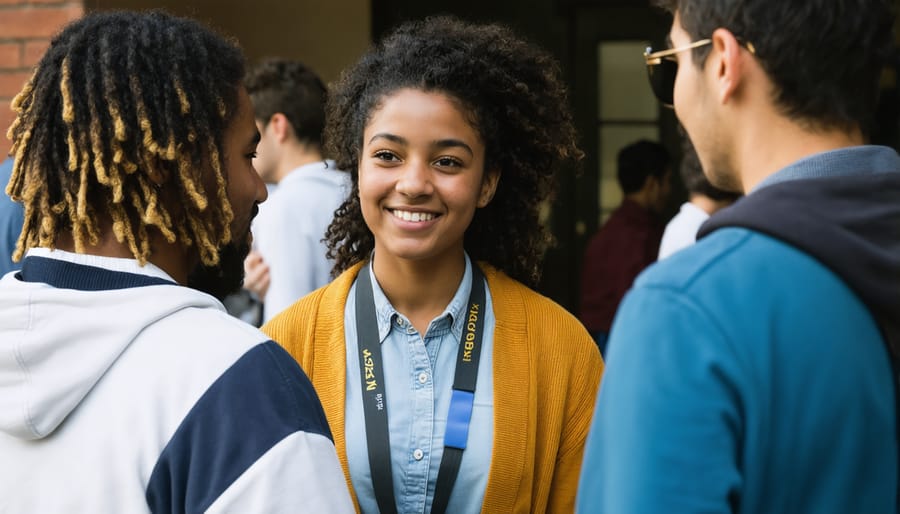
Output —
<point x="124" y="385"/>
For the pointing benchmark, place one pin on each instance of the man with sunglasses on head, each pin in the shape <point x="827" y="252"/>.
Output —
<point x="755" y="370"/>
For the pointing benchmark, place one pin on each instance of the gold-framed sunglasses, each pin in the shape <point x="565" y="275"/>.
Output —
<point x="662" y="68"/>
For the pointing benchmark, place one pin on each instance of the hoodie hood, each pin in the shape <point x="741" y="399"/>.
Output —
<point x="851" y="224"/>
<point x="64" y="320"/>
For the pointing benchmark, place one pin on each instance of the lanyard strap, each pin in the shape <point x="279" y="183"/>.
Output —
<point x="374" y="395"/>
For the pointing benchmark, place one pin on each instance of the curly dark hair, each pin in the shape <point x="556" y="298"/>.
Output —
<point x="513" y="94"/>
<point x="117" y="97"/>
<point x="825" y="57"/>
<point x="291" y="88"/>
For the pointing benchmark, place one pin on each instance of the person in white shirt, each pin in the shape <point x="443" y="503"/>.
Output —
<point x="704" y="200"/>
<point x="289" y="258"/>
<point x="124" y="385"/>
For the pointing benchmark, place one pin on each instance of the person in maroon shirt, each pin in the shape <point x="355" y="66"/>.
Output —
<point x="629" y="240"/>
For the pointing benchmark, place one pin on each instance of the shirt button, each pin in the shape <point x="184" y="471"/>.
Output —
<point x="400" y="322"/>
<point x="423" y="377"/>
<point x="418" y="454"/>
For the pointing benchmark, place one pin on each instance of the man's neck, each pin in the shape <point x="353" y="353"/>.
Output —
<point x="772" y="144"/>
<point x="169" y="257"/>
<point x="642" y="199"/>
<point x="297" y="155"/>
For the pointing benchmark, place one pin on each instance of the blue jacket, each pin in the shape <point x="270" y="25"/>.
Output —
<point x="750" y="372"/>
<point x="11" y="218"/>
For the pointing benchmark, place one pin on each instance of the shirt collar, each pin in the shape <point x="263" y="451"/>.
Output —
<point x="385" y="313"/>
<point x="855" y="160"/>
<point x="118" y="264"/>
<point x="298" y="172"/>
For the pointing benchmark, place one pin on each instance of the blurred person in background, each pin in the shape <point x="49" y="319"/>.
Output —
<point x="289" y="257"/>
<point x="629" y="240"/>
<point x="704" y="199"/>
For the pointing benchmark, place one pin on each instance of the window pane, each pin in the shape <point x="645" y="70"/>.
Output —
<point x="624" y="91"/>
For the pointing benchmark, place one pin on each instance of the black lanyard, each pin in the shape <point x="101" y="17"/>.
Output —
<point x="374" y="396"/>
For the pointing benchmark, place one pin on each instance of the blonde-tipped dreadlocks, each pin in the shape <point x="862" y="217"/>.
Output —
<point x="119" y="100"/>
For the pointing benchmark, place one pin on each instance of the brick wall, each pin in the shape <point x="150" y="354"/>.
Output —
<point x="26" y="27"/>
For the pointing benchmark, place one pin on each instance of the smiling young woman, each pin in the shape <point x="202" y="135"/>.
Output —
<point x="449" y="385"/>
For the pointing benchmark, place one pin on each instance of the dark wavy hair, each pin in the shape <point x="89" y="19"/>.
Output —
<point x="824" y="57"/>
<point x="291" y="88"/>
<point x="116" y="97"/>
<point x="515" y="100"/>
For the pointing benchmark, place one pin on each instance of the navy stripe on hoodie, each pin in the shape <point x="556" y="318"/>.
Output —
<point x="261" y="399"/>
<point x="68" y="275"/>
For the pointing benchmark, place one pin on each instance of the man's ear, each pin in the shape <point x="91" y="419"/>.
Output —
<point x="488" y="187"/>
<point x="729" y="64"/>
<point x="280" y="126"/>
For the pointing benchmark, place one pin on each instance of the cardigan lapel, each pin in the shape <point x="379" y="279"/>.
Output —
<point x="331" y="366"/>
<point x="512" y="399"/>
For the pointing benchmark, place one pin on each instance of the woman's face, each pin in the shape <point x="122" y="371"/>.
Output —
<point x="421" y="176"/>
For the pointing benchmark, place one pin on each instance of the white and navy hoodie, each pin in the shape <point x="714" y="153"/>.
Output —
<point x="121" y="391"/>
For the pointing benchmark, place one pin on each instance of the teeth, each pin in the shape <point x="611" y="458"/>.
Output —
<point x="413" y="216"/>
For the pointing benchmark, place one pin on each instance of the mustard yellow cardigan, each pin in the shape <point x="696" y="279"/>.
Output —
<point x="546" y="374"/>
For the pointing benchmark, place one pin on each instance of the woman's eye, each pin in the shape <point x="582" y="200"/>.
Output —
<point x="251" y="155"/>
<point x="385" y="156"/>
<point x="447" y="162"/>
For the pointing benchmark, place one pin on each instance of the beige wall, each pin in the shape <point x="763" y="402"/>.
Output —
<point x="327" y="35"/>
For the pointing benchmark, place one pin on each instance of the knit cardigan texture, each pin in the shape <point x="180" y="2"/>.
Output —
<point x="547" y="372"/>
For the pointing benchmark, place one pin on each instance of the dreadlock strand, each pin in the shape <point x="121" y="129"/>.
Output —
<point x="143" y="121"/>
<point x="153" y="213"/>
<point x="12" y="129"/>
<point x="47" y="222"/>
<point x="26" y="236"/>
<point x="83" y="192"/>
<point x="24" y="94"/>
<point x="65" y="86"/>
<point x="125" y="232"/>
<point x="90" y="224"/>
<point x="221" y="192"/>
<point x="182" y="97"/>
<point x="194" y="190"/>
<point x="73" y="152"/>
<point x="69" y="205"/>
<point x="209" y="254"/>
<point x="184" y="236"/>
<point x="14" y="187"/>
<point x="141" y="228"/>
<point x="170" y="148"/>
<point x="96" y="143"/>
<point x="109" y="89"/>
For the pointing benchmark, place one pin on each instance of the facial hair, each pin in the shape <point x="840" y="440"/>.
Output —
<point x="224" y="278"/>
<point x="227" y="277"/>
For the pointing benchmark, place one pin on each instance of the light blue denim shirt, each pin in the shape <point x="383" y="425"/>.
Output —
<point x="418" y="376"/>
<point x="854" y="160"/>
